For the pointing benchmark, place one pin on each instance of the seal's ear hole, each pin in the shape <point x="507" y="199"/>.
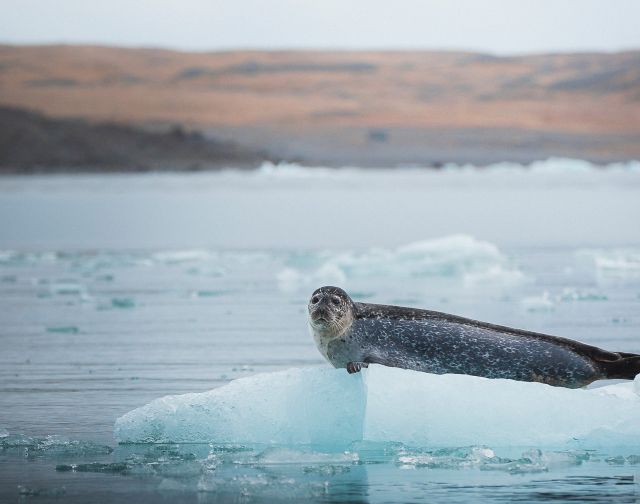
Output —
<point x="315" y="299"/>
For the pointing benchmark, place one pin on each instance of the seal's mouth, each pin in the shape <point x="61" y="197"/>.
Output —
<point x="320" y="317"/>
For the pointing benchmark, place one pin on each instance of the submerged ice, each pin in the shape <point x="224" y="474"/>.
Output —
<point x="324" y="406"/>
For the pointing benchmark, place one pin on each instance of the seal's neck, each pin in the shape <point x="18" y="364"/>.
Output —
<point x="323" y="334"/>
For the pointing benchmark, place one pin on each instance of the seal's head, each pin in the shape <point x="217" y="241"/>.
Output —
<point x="330" y="311"/>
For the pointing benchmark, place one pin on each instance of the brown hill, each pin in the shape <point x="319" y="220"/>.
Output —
<point x="368" y="107"/>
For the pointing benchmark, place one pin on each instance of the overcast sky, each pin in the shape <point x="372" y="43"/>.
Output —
<point x="499" y="26"/>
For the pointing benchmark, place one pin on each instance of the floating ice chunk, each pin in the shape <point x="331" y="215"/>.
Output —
<point x="295" y="171"/>
<point x="329" y="407"/>
<point x="281" y="455"/>
<point x="123" y="302"/>
<point x="68" y="288"/>
<point x="570" y="294"/>
<point x="457" y="257"/>
<point x="613" y="263"/>
<point x="16" y="258"/>
<point x="494" y="275"/>
<point x="547" y="167"/>
<point x="24" y="491"/>
<point x="451" y="256"/>
<point x="63" y="329"/>
<point x="619" y="261"/>
<point x="561" y="165"/>
<point x="290" y="279"/>
<point x="298" y="406"/>
<point x="54" y="446"/>
<point x="205" y="293"/>
<point x="182" y="256"/>
<point x="542" y="303"/>
<point x="454" y="458"/>
<point x="485" y="459"/>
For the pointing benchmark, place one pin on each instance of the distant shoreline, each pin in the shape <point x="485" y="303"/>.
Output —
<point x="31" y="143"/>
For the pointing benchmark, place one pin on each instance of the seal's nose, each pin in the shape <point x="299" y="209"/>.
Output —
<point x="318" y="300"/>
<point x="324" y="301"/>
<point x="321" y="305"/>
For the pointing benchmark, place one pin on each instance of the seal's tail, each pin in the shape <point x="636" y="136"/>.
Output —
<point x="626" y="367"/>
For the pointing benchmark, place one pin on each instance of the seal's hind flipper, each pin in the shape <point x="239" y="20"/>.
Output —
<point x="626" y="367"/>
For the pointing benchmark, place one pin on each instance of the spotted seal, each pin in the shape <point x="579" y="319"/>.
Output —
<point x="352" y="335"/>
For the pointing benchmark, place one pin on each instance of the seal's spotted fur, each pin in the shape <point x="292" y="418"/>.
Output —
<point x="351" y="335"/>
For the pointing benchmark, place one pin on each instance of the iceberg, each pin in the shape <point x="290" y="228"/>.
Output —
<point x="323" y="406"/>
<point x="455" y="258"/>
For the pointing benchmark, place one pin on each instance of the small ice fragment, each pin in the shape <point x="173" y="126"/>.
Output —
<point x="361" y="295"/>
<point x="210" y="293"/>
<point x="542" y="303"/>
<point x="96" y="467"/>
<point x="613" y="263"/>
<point x="448" y="458"/>
<point x="52" y="446"/>
<point x="633" y="459"/>
<point x="280" y="455"/>
<point x="182" y="256"/>
<point x="619" y="262"/>
<point x="619" y="320"/>
<point x="290" y="279"/>
<point x="59" y="446"/>
<point x="123" y="302"/>
<point x="16" y="441"/>
<point x="569" y="294"/>
<point x="67" y="288"/>
<point x="24" y="491"/>
<point x="63" y="329"/>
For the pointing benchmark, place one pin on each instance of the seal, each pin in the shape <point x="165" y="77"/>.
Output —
<point x="353" y="335"/>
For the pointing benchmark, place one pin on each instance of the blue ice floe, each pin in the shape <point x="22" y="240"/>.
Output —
<point x="381" y="404"/>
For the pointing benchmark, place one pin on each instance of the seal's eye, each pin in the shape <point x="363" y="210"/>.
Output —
<point x="335" y="300"/>
<point x="315" y="299"/>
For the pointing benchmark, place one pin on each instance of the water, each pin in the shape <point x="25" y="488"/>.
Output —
<point x="116" y="290"/>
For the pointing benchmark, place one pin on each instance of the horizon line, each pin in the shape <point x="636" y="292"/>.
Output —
<point x="408" y="49"/>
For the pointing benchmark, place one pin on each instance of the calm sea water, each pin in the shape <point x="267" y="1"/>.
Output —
<point x="115" y="290"/>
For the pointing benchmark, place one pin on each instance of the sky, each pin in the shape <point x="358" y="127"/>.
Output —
<point x="494" y="26"/>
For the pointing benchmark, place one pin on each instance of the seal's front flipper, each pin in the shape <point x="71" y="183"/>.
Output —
<point x="355" y="367"/>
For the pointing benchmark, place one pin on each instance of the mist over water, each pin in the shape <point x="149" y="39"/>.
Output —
<point x="117" y="290"/>
<point x="550" y="203"/>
